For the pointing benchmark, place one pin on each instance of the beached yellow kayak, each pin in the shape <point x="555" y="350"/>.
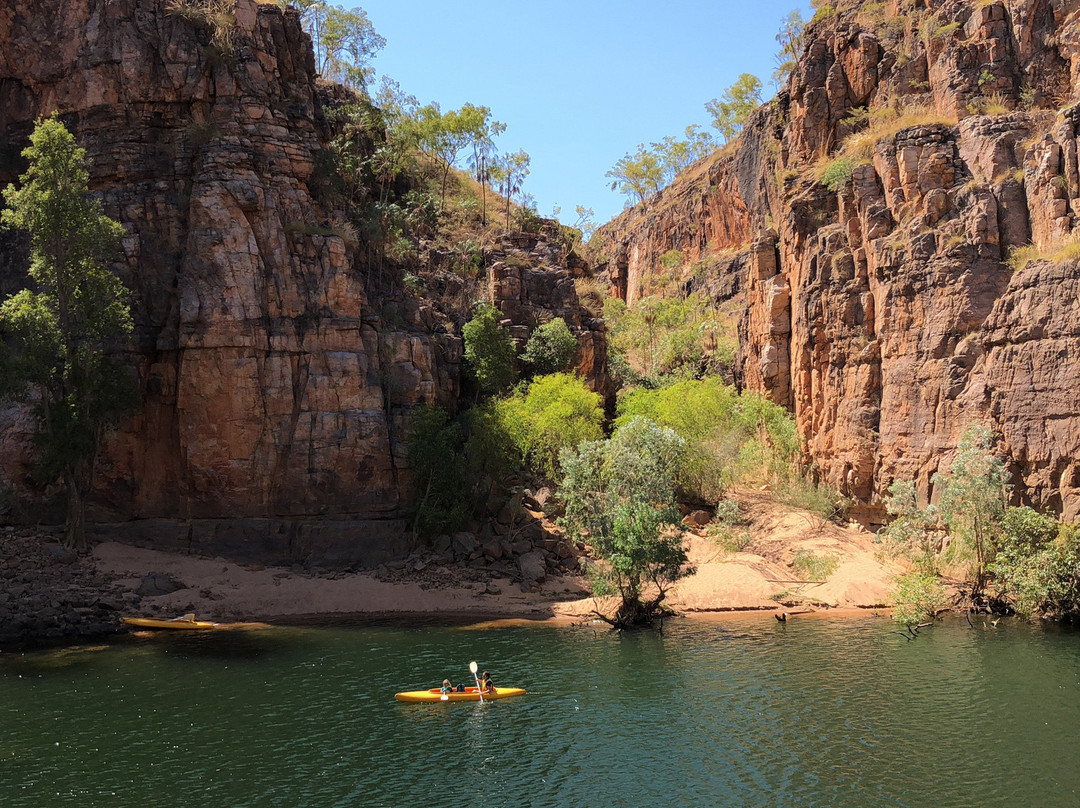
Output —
<point x="188" y="622"/>
<point x="435" y="695"/>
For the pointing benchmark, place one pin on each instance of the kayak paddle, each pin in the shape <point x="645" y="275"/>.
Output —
<point x="473" y="668"/>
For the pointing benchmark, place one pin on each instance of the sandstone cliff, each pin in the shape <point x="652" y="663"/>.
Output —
<point x="276" y="385"/>
<point x="883" y="314"/>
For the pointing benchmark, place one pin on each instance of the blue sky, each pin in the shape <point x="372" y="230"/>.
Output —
<point x="578" y="84"/>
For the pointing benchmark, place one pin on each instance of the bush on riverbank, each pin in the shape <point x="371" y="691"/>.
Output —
<point x="1014" y="558"/>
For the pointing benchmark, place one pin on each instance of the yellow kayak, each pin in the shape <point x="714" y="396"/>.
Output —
<point x="187" y="622"/>
<point x="435" y="695"/>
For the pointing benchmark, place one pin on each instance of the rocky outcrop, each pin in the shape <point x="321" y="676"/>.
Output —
<point x="883" y="314"/>
<point x="276" y="385"/>
<point x="49" y="593"/>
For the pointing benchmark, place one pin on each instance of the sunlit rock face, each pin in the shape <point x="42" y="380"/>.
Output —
<point x="883" y="314"/>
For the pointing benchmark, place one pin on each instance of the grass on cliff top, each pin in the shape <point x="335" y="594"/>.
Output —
<point x="1063" y="249"/>
<point x="881" y="124"/>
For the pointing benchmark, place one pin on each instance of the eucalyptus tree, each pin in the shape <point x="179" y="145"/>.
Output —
<point x="732" y="110"/>
<point x="639" y="175"/>
<point x="344" y="40"/>
<point x="59" y="330"/>
<point x="619" y="496"/>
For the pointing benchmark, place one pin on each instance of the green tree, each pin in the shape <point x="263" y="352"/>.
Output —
<point x="555" y="412"/>
<point x="344" y="41"/>
<point x="550" y="349"/>
<point x="483" y="129"/>
<point x="729" y="435"/>
<point x="739" y="100"/>
<point x="1036" y="565"/>
<point x="789" y="37"/>
<point x="974" y="495"/>
<point x="489" y="352"/>
<point x="510" y="172"/>
<point x="61" y="328"/>
<point x="675" y="154"/>
<point x="620" y="498"/>
<point x="639" y="175"/>
<point x="912" y="532"/>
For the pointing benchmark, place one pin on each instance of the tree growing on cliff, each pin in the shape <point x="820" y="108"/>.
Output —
<point x="731" y="111"/>
<point x="638" y="175"/>
<point x="60" y="329"/>
<point x="344" y="41"/>
<point x="620" y="498"/>
<point x="789" y="38"/>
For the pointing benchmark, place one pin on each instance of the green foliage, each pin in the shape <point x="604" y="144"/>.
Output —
<point x="911" y="533"/>
<point x="738" y="101"/>
<point x="811" y="566"/>
<point x="435" y="459"/>
<point x="639" y="175"/>
<point x="918" y="597"/>
<point x="789" y="38"/>
<point x="60" y="331"/>
<point x="620" y="497"/>
<point x="553" y="413"/>
<point x="489" y="352"/>
<point x="729" y="436"/>
<point x="837" y="174"/>
<point x="824" y="503"/>
<point x="669" y="336"/>
<point x="509" y="173"/>
<point x="344" y="41"/>
<point x="671" y="259"/>
<point x="1037" y="564"/>
<point x="550" y="349"/>
<point x="974" y="494"/>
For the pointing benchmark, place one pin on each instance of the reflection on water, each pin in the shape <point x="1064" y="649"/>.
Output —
<point x="741" y="711"/>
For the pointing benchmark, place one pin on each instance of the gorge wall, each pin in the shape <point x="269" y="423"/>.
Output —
<point x="276" y="390"/>
<point x="883" y="314"/>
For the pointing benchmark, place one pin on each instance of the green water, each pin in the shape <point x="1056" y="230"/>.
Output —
<point x="736" y="712"/>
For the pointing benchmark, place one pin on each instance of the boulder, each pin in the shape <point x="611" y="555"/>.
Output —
<point x="533" y="566"/>
<point x="155" y="584"/>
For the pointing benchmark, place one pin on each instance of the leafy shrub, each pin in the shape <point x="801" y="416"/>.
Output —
<point x="550" y="349"/>
<point x="911" y="533"/>
<point x="837" y="174"/>
<point x="918" y="597"/>
<point x="824" y="503"/>
<point x="814" y="567"/>
<point x="1037" y="564"/>
<point x="671" y="259"/>
<point x="730" y="436"/>
<point x="728" y="538"/>
<point x="489" y="351"/>
<point x="619" y="495"/>
<point x="555" y="412"/>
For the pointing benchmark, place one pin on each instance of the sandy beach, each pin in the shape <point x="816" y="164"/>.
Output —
<point x="758" y="578"/>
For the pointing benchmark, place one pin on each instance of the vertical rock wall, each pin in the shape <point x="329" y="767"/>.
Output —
<point x="273" y="388"/>
<point x="883" y="314"/>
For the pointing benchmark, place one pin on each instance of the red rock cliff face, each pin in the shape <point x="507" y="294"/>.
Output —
<point x="883" y="314"/>
<point x="274" y="389"/>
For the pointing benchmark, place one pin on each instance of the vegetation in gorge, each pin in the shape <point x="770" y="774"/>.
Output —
<point x="731" y="437"/>
<point x="619" y="496"/>
<point x="61" y="330"/>
<point x="1013" y="558"/>
<point x="661" y="339"/>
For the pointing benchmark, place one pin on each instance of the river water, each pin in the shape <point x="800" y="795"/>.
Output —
<point x="736" y="711"/>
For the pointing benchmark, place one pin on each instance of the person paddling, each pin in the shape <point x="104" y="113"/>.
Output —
<point x="486" y="685"/>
